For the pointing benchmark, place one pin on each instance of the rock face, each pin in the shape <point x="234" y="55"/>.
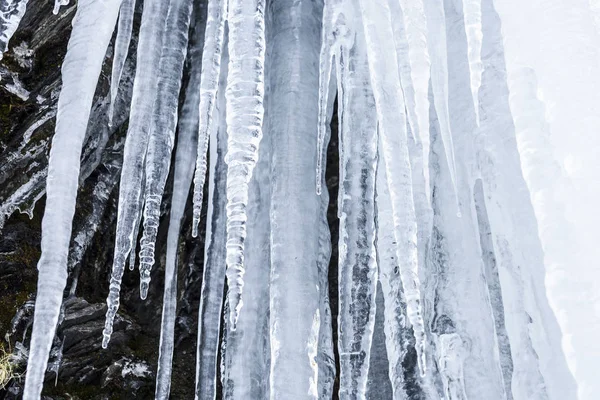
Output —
<point x="30" y="81"/>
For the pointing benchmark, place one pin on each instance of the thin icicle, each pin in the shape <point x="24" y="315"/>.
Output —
<point x="209" y="83"/>
<point x="472" y="11"/>
<point x="93" y="26"/>
<point x="398" y="338"/>
<point x="325" y="69"/>
<point x="157" y="164"/>
<point x="335" y="35"/>
<point x="213" y="280"/>
<point x="136" y="227"/>
<point x="122" y="40"/>
<point x="141" y="116"/>
<point x="436" y="42"/>
<point x="392" y="124"/>
<point x="410" y="34"/>
<point x="162" y="132"/>
<point x="245" y="110"/>
<point x="357" y="260"/>
<point x="326" y="356"/>
<point x="452" y="358"/>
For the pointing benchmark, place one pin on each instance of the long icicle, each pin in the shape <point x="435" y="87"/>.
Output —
<point x="392" y="123"/>
<point x="357" y="261"/>
<point x="410" y="35"/>
<point x="294" y="35"/>
<point x="122" y="41"/>
<point x="213" y="280"/>
<point x="436" y="42"/>
<point x="248" y="344"/>
<point x="162" y="132"/>
<point x="209" y="84"/>
<point x="327" y="366"/>
<point x="157" y="164"/>
<point x="245" y="110"/>
<point x="325" y="68"/>
<point x="142" y="106"/>
<point x="473" y="28"/>
<point x="93" y="26"/>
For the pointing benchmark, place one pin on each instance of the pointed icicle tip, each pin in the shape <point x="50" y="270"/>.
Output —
<point x="234" y="314"/>
<point x="422" y="361"/>
<point x="195" y="224"/>
<point x="105" y="340"/>
<point x="144" y="289"/>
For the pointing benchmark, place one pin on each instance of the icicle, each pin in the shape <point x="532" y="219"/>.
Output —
<point x="341" y="59"/>
<point x="452" y="355"/>
<point x="461" y="303"/>
<point x="80" y="72"/>
<point x="162" y="132"/>
<point x="357" y="261"/>
<point x="58" y="4"/>
<point x="158" y="161"/>
<point x="244" y="94"/>
<point x="492" y="278"/>
<point x="398" y="338"/>
<point x="187" y="142"/>
<point x="213" y="280"/>
<point x="410" y="35"/>
<point x="436" y="43"/>
<point x="504" y="198"/>
<point x="472" y="11"/>
<point x="378" y="383"/>
<point x="326" y="357"/>
<point x="11" y="13"/>
<point x="120" y="53"/>
<point x="325" y="59"/>
<point x="248" y="344"/>
<point x="335" y="35"/>
<point x="141" y="116"/>
<point x="392" y="125"/>
<point x="209" y="83"/>
<point x="294" y="37"/>
<point x="136" y="227"/>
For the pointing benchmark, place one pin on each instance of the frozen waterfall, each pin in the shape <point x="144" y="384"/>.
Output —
<point x="457" y="262"/>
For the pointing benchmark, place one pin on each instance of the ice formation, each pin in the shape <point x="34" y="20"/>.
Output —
<point x="454" y="164"/>
<point x="11" y="12"/>
<point x="93" y="26"/>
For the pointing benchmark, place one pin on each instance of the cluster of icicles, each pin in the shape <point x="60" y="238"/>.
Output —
<point x="387" y="59"/>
